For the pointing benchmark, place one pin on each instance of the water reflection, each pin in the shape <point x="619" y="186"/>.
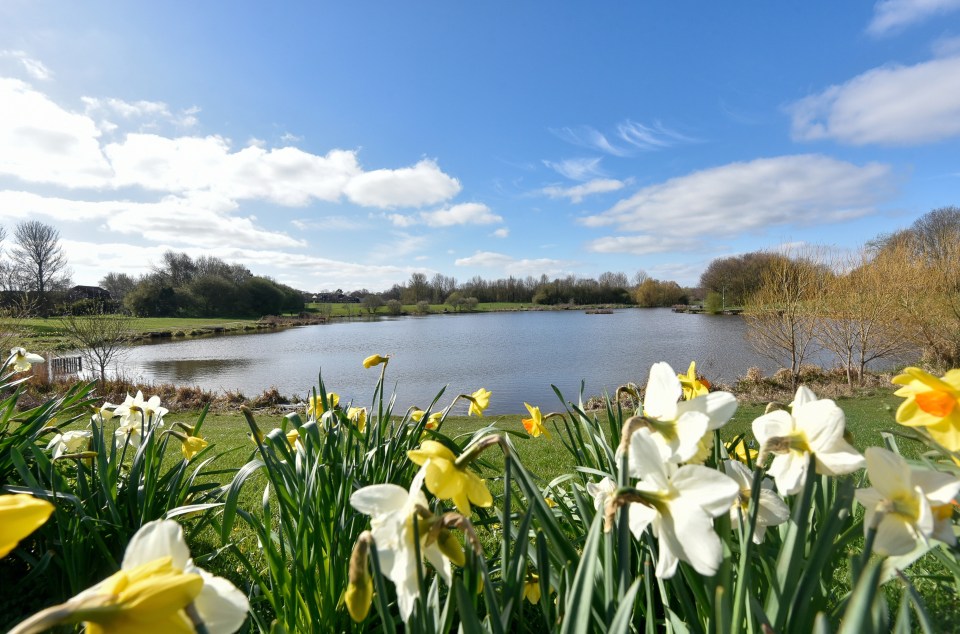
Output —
<point x="195" y="371"/>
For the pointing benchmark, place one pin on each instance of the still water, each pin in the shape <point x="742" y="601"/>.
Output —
<point x="515" y="355"/>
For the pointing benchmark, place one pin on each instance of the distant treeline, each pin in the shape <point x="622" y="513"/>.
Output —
<point x="181" y="286"/>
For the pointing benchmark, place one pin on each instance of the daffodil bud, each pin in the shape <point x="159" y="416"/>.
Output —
<point x="359" y="594"/>
<point x="451" y="547"/>
<point x="375" y="359"/>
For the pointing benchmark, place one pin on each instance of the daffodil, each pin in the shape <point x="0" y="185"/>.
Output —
<point x="373" y="360"/>
<point x="151" y="592"/>
<point x="681" y="426"/>
<point x="316" y="408"/>
<point x="22" y="360"/>
<point x="908" y="502"/>
<point x="432" y="421"/>
<point x="679" y="505"/>
<point x="128" y="435"/>
<point x="531" y="588"/>
<point x="479" y="401"/>
<point x="534" y="425"/>
<point x="136" y="411"/>
<point x="395" y="525"/>
<point x="741" y="452"/>
<point x="692" y="385"/>
<point x="812" y="426"/>
<point x="70" y="442"/>
<point x="191" y="446"/>
<point x="358" y="416"/>
<point x="359" y="593"/>
<point x="448" y="481"/>
<point x="20" y="515"/>
<point x="932" y="403"/>
<point x="773" y="510"/>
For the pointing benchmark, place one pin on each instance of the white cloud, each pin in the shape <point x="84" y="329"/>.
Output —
<point x="199" y="220"/>
<point x="41" y="142"/>
<point x="422" y="184"/>
<point x="893" y="105"/>
<point x="35" y="68"/>
<point x="578" y="169"/>
<point x="505" y="263"/>
<point x="289" y="137"/>
<point x="502" y="232"/>
<point x="577" y="193"/>
<point x="462" y="214"/>
<point x="752" y="196"/>
<point x="641" y="244"/>
<point x="891" y="15"/>
<point x="946" y="46"/>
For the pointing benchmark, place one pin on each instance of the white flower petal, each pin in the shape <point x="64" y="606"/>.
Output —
<point x="739" y="472"/>
<point x="639" y="518"/>
<point x="663" y="392"/>
<point x="939" y="488"/>
<point x="155" y="540"/>
<point x="841" y="459"/>
<point x="776" y="423"/>
<point x="773" y="510"/>
<point x="803" y="396"/>
<point x="823" y="423"/>
<point x="894" y="536"/>
<point x="718" y="406"/>
<point x="705" y="488"/>
<point x="378" y="499"/>
<point x="889" y="473"/>
<point x="222" y="607"/>
<point x="600" y="491"/>
<point x="646" y="461"/>
<point x="690" y="429"/>
<point x="701" y="547"/>
<point x="788" y="471"/>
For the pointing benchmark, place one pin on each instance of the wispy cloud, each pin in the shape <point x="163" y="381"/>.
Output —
<point x="643" y="244"/>
<point x="462" y="214"/>
<point x="577" y="169"/>
<point x="34" y="67"/>
<point x="890" y="105"/>
<point x="893" y="15"/>
<point x="630" y="137"/>
<point x="799" y="190"/>
<point x="502" y="232"/>
<point x="577" y="193"/>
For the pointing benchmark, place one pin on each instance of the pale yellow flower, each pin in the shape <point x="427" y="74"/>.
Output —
<point x="432" y="421"/>
<point x="22" y="360"/>
<point x="315" y="407"/>
<point x="20" y="515"/>
<point x="374" y="359"/>
<point x="480" y="401"/>
<point x="447" y="481"/>
<point x="191" y="446"/>
<point x="531" y="588"/>
<point x="358" y="416"/>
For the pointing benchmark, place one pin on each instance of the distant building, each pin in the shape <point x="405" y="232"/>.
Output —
<point x="76" y="293"/>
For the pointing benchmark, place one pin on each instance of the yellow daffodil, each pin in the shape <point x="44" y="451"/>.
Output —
<point x="293" y="437"/>
<point x="692" y="385"/>
<point x="550" y="502"/>
<point x="432" y="421"/>
<point x="741" y="451"/>
<point x="932" y="403"/>
<point x="447" y="481"/>
<point x="359" y="593"/>
<point x="20" y="515"/>
<point x="151" y="592"/>
<point x="531" y="588"/>
<point x="22" y="360"/>
<point x="480" y="400"/>
<point x="315" y="407"/>
<point x="373" y="360"/>
<point x="191" y="446"/>
<point x="534" y="425"/>
<point x="358" y="416"/>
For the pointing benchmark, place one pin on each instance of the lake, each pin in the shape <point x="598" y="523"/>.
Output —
<point x="515" y="355"/>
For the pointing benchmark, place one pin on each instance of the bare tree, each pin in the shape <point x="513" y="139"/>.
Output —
<point x="38" y="256"/>
<point x="781" y="315"/>
<point x="100" y="338"/>
<point x="857" y="315"/>
<point x="118" y="285"/>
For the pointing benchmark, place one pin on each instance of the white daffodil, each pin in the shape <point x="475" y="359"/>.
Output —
<point x="681" y="426"/>
<point x="128" y="435"/>
<point x="915" y="504"/>
<point x="156" y="584"/>
<point x="773" y="510"/>
<point x="22" y="360"/>
<point x="601" y="492"/>
<point x="73" y="441"/>
<point x="393" y="511"/>
<point x="813" y="426"/>
<point x="681" y="503"/>
<point x="136" y="411"/>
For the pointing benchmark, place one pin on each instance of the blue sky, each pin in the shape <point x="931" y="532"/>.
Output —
<point x="350" y="144"/>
